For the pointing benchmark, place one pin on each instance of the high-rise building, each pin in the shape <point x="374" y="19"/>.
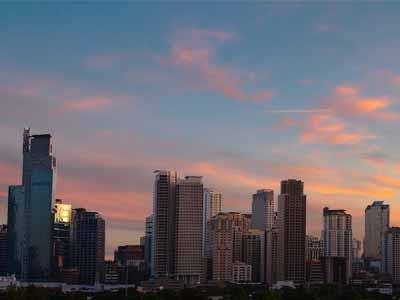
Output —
<point x="338" y="243"/>
<point x="31" y="220"/>
<point x="291" y="231"/>
<point x="130" y="260"/>
<point x="61" y="236"/>
<point x="189" y="229"/>
<point x="3" y="250"/>
<point x="241" y="225"/>
<point x="314" y="248"/>
<point x="254" y="253"/>
<point x="88" y="244"/>
<point x="263" y="210"/>
<point x="376" y="224"/>
<point x="271" y="254"/>
<point x="164" y="213"/>
<point x="15" y="227"/>
<point x="212" y="207"/>
<point x="148" y="244"/>
<point x="221" y="230"/>
<point x="356" y="249"/>
<point x="391" y="253"/>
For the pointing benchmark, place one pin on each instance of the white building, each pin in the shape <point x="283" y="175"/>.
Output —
<point x="241" y="272"/>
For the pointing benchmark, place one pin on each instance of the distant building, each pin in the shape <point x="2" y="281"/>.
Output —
<point x="241" y="272"/>
<point x="148" y="244"/>
<point x="111" y="274"/>
<point x="241" y="225"/>
<point x="291" y="231"/>
<point x="356" y="249"/>
<point x="254" y="253"/>
<point x="271" y="254"/>
<point x="314" y="248"/>
<point x="88" y="243"/>
<point x="3" y="250"/>
<point x="377" y="220"/>
<point x="221" y="229"/>
<point x="61" y="237"/>
<point x="211" y="207"/>
<point x="338" y="245"/>
<point x="130" y="260"/>
<point x="15" y="227"/>
<point x="263" y="209"/>
<point x="391" y="254"/>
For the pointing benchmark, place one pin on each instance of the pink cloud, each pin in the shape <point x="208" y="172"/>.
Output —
<point x="193" y="55"/>
<point x="88" y="104"/>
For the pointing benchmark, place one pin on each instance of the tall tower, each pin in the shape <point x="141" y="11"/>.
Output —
<point x="337" y="239"/>
<point x="211" y="207"/>
<point x="30" y="210"/>
<point x="391" y="253"/>
<point x="376" y="224"/>
<point x="263" y="210"/>
<point x="189" y="229"/>
<point x="164" y="213"/>
<point x="148" y="244"/>
<point x="291" y="231"/>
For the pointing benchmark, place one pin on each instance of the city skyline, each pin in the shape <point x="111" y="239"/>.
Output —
<point x="205" y="95"/>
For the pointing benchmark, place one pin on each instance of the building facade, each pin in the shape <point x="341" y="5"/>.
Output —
<point x="291" y="231"/>
<point x="3" y="250"/>
<point x="262" y="208"/>
<point x="61" y="237"/>
<point x="254" y="253"/>
<point x="377" y="220"/>
<point x="212" y="207"/>
<point x="241" y="272"/>
<point x="271" y="255"/>
<point x="189" y="230"/>
<point x="88" y="245"/>
<point x="391" y="254"/>
<point x="337" y="240"/>
<point x="148" y="245"/>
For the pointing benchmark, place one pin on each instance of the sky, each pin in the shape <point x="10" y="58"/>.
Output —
<point x="243" y="94"/>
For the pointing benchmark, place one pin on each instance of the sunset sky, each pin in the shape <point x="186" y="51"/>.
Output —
<point x="245" y="95"/>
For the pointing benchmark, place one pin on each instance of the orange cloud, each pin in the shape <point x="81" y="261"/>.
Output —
<point x="88" y="104"/>
<point x="326" y="129"/>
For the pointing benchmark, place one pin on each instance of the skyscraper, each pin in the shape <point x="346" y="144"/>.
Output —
<point x="271" y="254"/>
<point x="212" y="207"/>
<point x="291" y="231"/>
<point x="338" y="245"/>
<point x="189" y="229"/>
<point x="164" y="223"/>
<point x="15" y="227"/>
<point x="263" y="209"/>
<point x="88" y="243"/>
<point x="376" y="224"/>
<point x="31" y="220"/>
<point x="391" y="253"/>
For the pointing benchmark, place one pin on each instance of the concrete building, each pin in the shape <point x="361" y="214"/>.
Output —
<point x="254" y="253"/>
<point x="189" y="229"/>
<point x="356" y="249"/>
<point x="314" y="268"/>
<point x="241" y="225"/>
<point x="164" y="214"/>
<point x="221" y="230"/>
<point x="391" y="254"/>
<point x="88" y="245"/>
<point x="291" y="232"/>
<point x="337" y="241"/>
<point x="377" y="220"/>
<point x="241" y="272"/>
<point x="262" y="209"/>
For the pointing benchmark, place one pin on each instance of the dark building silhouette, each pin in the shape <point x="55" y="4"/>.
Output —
<point x="87" y="245"/>
<point x="291" y="231"/>
<point x="3" y="250"/>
